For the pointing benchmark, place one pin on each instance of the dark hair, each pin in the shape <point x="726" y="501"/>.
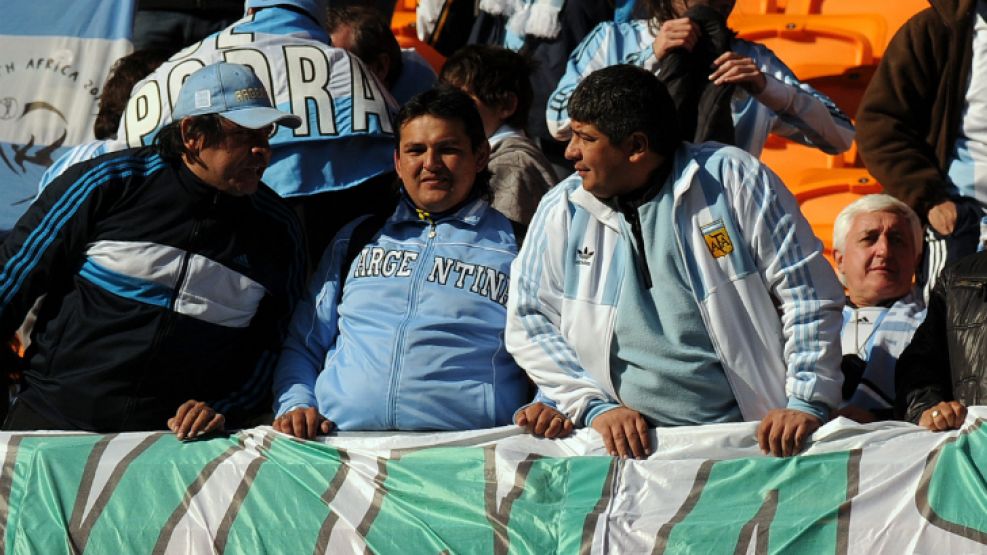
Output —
<point x="492" y="74"/>
<point x="372" y="36"/>
<point x="659" y="11"/>
<point x="449" y="103"/>
<point x="444" y="102"/>
<point x="169" y="141"/>
<point x="124" y="74"/>
<point x="624" y="99"/>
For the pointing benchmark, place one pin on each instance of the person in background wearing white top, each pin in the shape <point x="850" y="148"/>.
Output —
<point x="768" y="97"/>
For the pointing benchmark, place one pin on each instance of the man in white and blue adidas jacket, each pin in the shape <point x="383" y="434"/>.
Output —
<point x="169" y="274"/>
<point x="670" y="284"/>
<point x="403" y="325"/>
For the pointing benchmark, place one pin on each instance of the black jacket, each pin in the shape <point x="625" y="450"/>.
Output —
<point x="947" y="358"/>
<point x="159" y="288"/>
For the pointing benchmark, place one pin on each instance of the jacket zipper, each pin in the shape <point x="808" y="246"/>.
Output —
<point x="169" y="318"/>
<point x="402" y="328"/>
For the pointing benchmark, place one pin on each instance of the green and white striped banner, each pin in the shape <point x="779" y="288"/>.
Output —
<point x="881" y="488"/>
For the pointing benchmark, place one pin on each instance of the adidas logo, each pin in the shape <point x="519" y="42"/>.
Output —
<point x="584" y="256"/>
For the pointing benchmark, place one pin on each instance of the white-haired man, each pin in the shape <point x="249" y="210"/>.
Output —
<point x="877" y="243"/>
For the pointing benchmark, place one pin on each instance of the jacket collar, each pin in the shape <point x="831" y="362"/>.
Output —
<point x="604" y="210"/>
<point x="469" y="212"/>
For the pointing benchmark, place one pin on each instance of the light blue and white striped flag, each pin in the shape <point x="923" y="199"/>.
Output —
<point x="54" y="57"/>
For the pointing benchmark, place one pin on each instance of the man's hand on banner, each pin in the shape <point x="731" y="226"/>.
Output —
<point x="541" y="420"/>
<point x="625" y="433"/>
<point x="783" y="432"/>
<point x="947" y="415"/>
<point x="303" y="423"/>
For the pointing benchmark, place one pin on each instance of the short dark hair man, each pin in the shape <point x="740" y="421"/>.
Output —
<point x="402" y="327"/>
<point x="670" y="284"/>
<point x="169" y="271"/>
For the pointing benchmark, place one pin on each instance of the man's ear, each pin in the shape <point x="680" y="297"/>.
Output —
<point x="838" y="258"/>
<point x="192" y="143"/>
<point x="510" y="106"/>
<point x="396" y="162"/>
<point x="637" y="145"/>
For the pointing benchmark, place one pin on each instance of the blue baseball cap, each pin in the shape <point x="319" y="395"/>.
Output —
<point x="232" y="91"/>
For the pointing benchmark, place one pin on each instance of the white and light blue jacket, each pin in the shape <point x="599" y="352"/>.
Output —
<point x="768" y="298"/>
<point x="786" y="107"/>
<point x="417" y="341"/>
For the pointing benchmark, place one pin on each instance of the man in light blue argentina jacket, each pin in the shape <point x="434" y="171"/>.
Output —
<point x="407" y="334"/>
<point x="737" y="252"/>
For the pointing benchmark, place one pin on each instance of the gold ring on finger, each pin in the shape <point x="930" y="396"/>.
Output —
<point x="935" y="413"/>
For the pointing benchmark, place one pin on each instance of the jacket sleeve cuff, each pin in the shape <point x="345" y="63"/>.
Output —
<point x="596" y="408"/>
<point x="817" y="409"/>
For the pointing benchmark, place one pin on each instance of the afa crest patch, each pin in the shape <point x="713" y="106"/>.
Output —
<point x="717" y="239"/>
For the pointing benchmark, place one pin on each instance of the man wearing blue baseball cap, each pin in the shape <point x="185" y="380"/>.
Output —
<point x="168" y="273"/>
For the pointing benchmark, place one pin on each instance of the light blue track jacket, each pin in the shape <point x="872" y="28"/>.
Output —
<point x="786" y="107"/>
<point x="417" y="342"/>
<point x="769" y="300"/>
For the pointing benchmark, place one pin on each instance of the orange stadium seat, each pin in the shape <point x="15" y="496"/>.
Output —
<point x="816" y="45"/>
<point x="821" y="197"/>
<point x="403" y="20"/>
<point x="759" y="7"/>
<point x="793" y="161"/>
<point x="894" y="12"/>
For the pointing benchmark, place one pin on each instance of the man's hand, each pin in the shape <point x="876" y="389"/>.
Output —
<point x="625" y="433"/>
<point x="675" y="33"/>
<point x="947" y="415"/>
<point x="782" y="432"/>
<point x="734" y="69"/>
<point x="303" y="423"/>
<point x="541" y="420"/>
<point x="195" y="419"/>
<point x="942" y="217"/>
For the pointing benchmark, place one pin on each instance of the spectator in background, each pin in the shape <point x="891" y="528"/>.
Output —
<point x="877" y="243"/>
<point x="402" y="328"/>
<point x="944" y="369"/>
<point x="770" y="99"/>
<point x="548" y="46"/>
<point x="170" y="273"/>
<point x="923" y="126"/>
<point x="368" y="36"/>
<point x="626" y="297"/>
<point x="124" y="74"/>
<point x="497" y="81"/>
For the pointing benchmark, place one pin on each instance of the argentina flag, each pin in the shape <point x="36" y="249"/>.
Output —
<point x="54" y="57"/>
